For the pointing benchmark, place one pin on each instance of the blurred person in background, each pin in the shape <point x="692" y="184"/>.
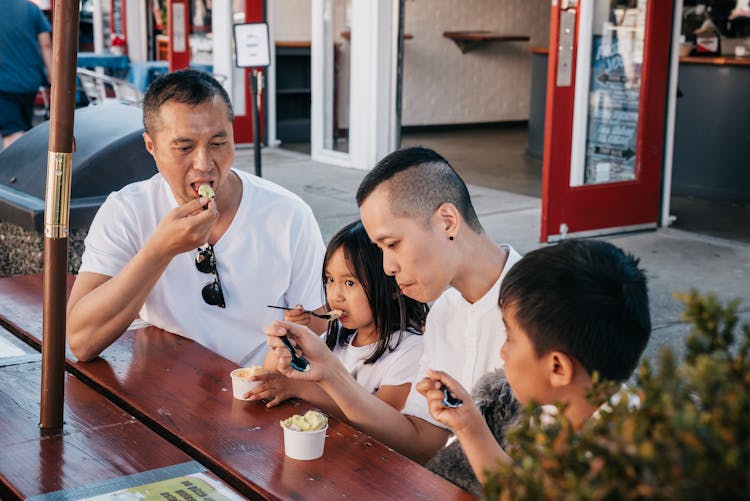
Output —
<point x="25" y="53"/>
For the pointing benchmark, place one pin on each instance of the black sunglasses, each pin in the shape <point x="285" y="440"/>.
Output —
<point x="205" y="261"/>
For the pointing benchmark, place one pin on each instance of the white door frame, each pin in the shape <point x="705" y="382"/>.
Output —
<point x="372" y="101"/>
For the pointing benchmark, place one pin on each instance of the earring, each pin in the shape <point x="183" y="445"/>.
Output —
<point x="450" y="237"/>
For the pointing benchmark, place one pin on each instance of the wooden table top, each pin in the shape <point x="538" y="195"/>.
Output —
<point x="183" y="391"/>
<point x="100" y="442"/>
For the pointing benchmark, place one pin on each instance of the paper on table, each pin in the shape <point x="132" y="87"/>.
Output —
<point x="193" y="486"/>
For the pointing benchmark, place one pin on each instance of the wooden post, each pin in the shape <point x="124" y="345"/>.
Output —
<point x="57" y="212"/>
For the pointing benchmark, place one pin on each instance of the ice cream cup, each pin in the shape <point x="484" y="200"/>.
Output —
<point x="304" y="444"/>
<point x="241" y="382"/>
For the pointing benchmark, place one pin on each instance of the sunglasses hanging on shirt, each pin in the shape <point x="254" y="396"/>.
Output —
<point x="205" y="262"/>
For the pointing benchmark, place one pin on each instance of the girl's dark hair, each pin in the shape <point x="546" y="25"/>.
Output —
<point x="392" y="312"/>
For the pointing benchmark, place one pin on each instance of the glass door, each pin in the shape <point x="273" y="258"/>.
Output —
<point x="353" y="81"/>
<point x="605" y="118"/>
<point x="331" y="68"/>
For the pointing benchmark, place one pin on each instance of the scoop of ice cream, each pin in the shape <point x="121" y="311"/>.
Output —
<point x="311" y="421"/>
<point x="335" y="314"/>
<point x="205" y="190"/>
<point x="248" y="372"/>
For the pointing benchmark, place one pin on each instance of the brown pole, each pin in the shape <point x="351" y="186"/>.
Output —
<point x="57" y="211"/>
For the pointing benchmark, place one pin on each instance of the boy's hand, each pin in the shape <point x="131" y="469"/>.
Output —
<point x="274" y="387"/>
<point x="457" y="418"/>
<point x="307" y="344"/>
<point x="297" y="315"/>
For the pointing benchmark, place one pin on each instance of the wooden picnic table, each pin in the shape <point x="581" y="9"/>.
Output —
<point x="182" y="390"/>
<point x="100" y="445"/>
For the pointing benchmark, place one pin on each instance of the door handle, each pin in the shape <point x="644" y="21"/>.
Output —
<point x="565" y="40"/>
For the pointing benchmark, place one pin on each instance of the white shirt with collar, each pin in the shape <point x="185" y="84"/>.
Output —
<point x="462" y="339"/>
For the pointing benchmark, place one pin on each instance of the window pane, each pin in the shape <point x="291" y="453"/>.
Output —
<point x="614" y="90"/>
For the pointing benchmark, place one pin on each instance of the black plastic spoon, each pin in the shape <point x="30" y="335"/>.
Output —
<point x="449" y="400"/>
<point x="298" y="363"/>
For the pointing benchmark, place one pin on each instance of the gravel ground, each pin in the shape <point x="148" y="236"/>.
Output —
<point x="22" y="251"/>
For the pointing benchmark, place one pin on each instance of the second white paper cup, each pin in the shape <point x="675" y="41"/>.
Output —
<point x="240" y="385"/>
<point x="304" y="444"/>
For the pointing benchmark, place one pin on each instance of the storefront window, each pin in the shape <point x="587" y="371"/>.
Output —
<point x="614" y="90"/>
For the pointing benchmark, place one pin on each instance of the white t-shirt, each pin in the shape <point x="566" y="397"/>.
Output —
<point x="462" y="339"/>
<point x="271" y="254"/>
<point x="391" y="369"/>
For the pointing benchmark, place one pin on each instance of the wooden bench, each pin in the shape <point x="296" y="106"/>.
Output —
<point x="183" y="391"/>
<point x="100" y="443"/>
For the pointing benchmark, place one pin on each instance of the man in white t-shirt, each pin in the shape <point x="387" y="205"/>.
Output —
<point x="205" y="264"/>
<point x="417" y="209"/>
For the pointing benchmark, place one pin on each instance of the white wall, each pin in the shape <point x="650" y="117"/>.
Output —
<point x="441" y="85"/>
<point x="489" y="84"/>
<point x="291" y="20"/>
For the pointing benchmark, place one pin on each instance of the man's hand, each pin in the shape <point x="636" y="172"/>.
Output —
<point x="307" y="344"/>
<point x="186" y="227"/>
<point x="100" y="307"/>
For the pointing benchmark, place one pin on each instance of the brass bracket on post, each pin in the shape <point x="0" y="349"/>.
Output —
<point x="57" y="211"/>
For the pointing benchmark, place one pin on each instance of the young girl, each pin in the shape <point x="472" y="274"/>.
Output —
<point x="378" y="336"/>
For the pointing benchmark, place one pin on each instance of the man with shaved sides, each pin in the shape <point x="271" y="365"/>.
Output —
<point x="417" y="209"/>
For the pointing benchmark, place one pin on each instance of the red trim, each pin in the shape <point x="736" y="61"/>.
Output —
<point x="243" y="124"/>
<point x="123" y="16"/>
<point x="178" y="60"/>
<point x="599" y="206"/>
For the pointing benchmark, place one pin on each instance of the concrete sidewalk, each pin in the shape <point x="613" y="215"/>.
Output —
<point x="674" y="260"/>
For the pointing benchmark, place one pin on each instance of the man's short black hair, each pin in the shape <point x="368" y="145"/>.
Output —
<point x="419" y="181"/>
<point x="191" y="87"/>
<point x="585" y="298"/>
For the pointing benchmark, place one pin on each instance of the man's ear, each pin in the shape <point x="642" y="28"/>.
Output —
<point x="149" y="143"/>
<point x="562" y="369"/>
<point x="449" y="219"/>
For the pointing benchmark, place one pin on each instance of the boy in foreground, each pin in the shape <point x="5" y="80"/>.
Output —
<point x="570" y="310"/>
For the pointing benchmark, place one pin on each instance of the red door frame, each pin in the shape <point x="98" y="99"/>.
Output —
<point x="589" y="208"/>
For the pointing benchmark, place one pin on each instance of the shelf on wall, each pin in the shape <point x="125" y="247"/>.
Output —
<point x="471" y="39"/>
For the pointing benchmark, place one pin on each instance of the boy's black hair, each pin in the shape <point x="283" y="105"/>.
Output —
<point x="392" y="312"/>
<point x="191" y="87"/>
<point x="420" y="181"/>
<point x="585" y="298"/>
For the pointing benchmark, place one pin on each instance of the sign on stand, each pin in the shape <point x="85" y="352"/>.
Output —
<point x="252" y="51"/>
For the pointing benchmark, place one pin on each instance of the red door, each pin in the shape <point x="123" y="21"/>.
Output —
<point x="605" y="116"/>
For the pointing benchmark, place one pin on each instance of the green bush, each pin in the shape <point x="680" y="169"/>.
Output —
<point x="689" y="439"/>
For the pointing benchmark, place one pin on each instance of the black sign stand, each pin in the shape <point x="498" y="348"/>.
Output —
<point x="256" y="84"/>
<point x="252" y="51"/>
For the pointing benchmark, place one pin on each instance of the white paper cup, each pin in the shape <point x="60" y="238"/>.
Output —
<point x="241" y="385"/>
<point x="304" y="444"/>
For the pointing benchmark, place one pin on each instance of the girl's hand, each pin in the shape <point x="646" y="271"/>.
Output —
<point x="307" y="344"/>
<point x="297" y="315"/>
<point x="457" y="418"/>
<point x="274" y="387"/>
